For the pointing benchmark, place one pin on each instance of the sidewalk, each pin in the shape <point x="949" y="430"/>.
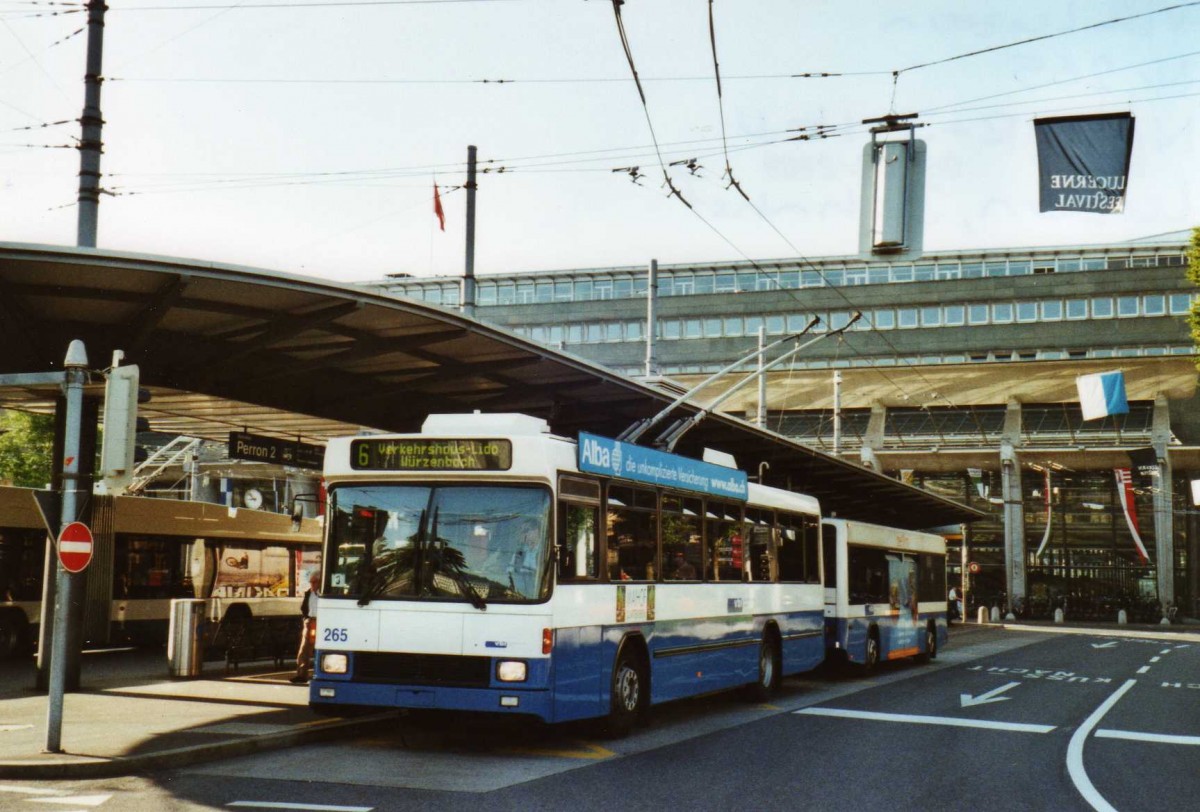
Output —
<point x="131" y="716"/>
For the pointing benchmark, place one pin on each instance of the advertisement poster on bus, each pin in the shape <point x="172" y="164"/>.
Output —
<point x="308" y="563"/>
<point x="252" y="573"/>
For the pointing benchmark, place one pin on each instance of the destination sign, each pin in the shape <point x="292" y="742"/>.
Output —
<point x="255" y="447"/>
<point x="421" y="454"/>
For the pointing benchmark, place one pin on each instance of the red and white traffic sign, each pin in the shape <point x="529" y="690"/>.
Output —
<point x="973" y="568"/>
<point x="75" y="547"/>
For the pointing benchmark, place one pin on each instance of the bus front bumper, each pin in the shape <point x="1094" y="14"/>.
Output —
<point x="328" y="694"/>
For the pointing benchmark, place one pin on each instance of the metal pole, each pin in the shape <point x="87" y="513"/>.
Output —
<point x="76" y="369"/>
<point x="837" y="413"/>
<point x="469" y="271"/>
<point x="90" y="143"/>
<point x="652" y="319"/>
<point x="760" y="419"/>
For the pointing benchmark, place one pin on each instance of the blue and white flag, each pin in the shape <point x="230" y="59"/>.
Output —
<point x="1083" y="162"/>
<point x="1102" y="394"/>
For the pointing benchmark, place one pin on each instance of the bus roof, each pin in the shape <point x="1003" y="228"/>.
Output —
<point x="874" y="535"/>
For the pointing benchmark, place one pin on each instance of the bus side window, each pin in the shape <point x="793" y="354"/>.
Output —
<point x="578" y="547"/>
<point x="632" y="526"/>
<point x="797" y="563"/>
<point x="726" y="541"/>
<point x="760" y="525"/>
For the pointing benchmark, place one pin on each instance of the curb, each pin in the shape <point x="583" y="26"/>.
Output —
<point x="183" y="756"/>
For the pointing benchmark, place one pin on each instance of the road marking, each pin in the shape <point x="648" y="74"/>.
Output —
<point x="1161" y="738"/>
<point x="30" y="790"/>
<point x="74" y="800"/>
<point x="307" y="807"/>
<point x="1143" y="669"/>
<point x="1165" y="651"/>
<point x="587" y="750"/>
<point x="1109" y="644"/>
<point x="1075" y="751"/>
<point x="947" y="721"/>
<point x="991" y="696"/>
<point x="1155" y="659"/>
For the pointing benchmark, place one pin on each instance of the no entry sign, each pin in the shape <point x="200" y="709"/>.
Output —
<point x="75" y="547"/>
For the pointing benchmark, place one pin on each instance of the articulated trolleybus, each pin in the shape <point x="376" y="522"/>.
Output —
<point x="885" y="592"/>
<point x="487" y="565"/>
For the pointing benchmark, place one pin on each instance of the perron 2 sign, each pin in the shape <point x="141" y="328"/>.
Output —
<point x="1083" y="162"/>
<point x="244" y="446"/>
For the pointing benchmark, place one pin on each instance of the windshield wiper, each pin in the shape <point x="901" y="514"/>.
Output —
<point x="460" y="577"/>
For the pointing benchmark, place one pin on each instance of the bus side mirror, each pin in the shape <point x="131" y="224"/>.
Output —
<point x="297" y="514"/>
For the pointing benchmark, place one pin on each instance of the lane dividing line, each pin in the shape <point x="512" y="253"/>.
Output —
<point x="1075" y="751"/>
<point x="1161" y="738"/>
<point x="945" y="721"/>
<point x="303" y="807"/>
<point x="1143" y="669"/>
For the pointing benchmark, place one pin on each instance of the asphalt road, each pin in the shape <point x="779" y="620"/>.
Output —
<point x="1002" y="720"/>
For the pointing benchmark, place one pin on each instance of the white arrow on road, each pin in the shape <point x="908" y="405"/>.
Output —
<point x="991" y="696"/>
<point x="1109" y="644"/>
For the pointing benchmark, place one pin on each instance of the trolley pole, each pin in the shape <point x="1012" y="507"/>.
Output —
<point x="91" y="144"/>
<point x="76" y="375"/>
<point x="469" y="271"/>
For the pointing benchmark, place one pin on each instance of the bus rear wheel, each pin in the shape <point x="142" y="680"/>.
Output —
<point x="769" y="668"/>
<point x="930" y="652"/>
<point x="871" y="652"/>
<point x="628" y="694"/>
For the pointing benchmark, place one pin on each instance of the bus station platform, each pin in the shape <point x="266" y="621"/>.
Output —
<point x="130" y="716"/>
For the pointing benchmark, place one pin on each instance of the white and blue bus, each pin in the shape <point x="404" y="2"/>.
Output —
<point x="488" y="565"/>
<point x="885" y="592"/>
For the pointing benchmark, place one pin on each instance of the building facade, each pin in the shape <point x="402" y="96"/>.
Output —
<point x="959" y="375"/>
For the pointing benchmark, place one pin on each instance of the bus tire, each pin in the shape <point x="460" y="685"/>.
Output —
<point x="13" y="633"/>
<point x="930" y="652"/>
<point x="871" y="652"/>
<point x="629" y="693"/>
<point x="770" y="667"/>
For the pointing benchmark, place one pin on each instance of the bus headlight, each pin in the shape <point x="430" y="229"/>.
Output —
<point x="335" y="663"/>
<point x="511" y="671"/>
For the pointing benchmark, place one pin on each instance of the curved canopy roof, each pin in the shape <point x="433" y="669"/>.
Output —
<point x="227" y="348"/>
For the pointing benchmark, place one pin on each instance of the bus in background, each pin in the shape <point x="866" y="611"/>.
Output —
<point x="246" y="563"/>
<point x="488" y="565"/>
<point x="885" y="592"/>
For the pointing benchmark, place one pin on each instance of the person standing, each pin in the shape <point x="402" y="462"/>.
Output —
<point x="308" y="631"/>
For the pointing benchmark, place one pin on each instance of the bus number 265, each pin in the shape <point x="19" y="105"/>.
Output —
<point x="336" y="636"/>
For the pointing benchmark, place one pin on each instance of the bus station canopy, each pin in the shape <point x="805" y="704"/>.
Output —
<point x="225" y="348"/>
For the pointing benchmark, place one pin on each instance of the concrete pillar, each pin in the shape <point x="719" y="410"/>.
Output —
<point x="1014" y="509"/>
<point x="873" y="439"/>
<point x="1164" y="525"/>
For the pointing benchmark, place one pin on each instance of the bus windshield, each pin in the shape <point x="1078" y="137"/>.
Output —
<point x="466" y="542"/>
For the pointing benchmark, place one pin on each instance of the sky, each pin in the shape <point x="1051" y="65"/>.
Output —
<point x="307" y="136"/>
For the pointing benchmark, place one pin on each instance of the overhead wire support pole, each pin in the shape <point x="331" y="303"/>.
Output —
<point x="91" y="143"/>
<point x="75" y="365"/>
<point x="670" y="437"/>
<point x="469" y="270"/>
<point x="631" y="434"/>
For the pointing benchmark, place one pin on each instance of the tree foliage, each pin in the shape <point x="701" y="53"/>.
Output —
<point x="26" y="445"/>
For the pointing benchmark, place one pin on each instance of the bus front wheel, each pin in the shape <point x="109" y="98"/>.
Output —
<point x="628" y="694"/>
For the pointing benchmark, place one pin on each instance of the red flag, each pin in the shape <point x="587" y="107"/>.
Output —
<point x="1129" y="506"/>
<point x="437" y="208"/>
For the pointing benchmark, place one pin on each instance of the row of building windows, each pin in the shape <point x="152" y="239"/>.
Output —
<point x="890" y="318"/>
<point x="602" y="286"/>
<point x="992" y="356"/>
